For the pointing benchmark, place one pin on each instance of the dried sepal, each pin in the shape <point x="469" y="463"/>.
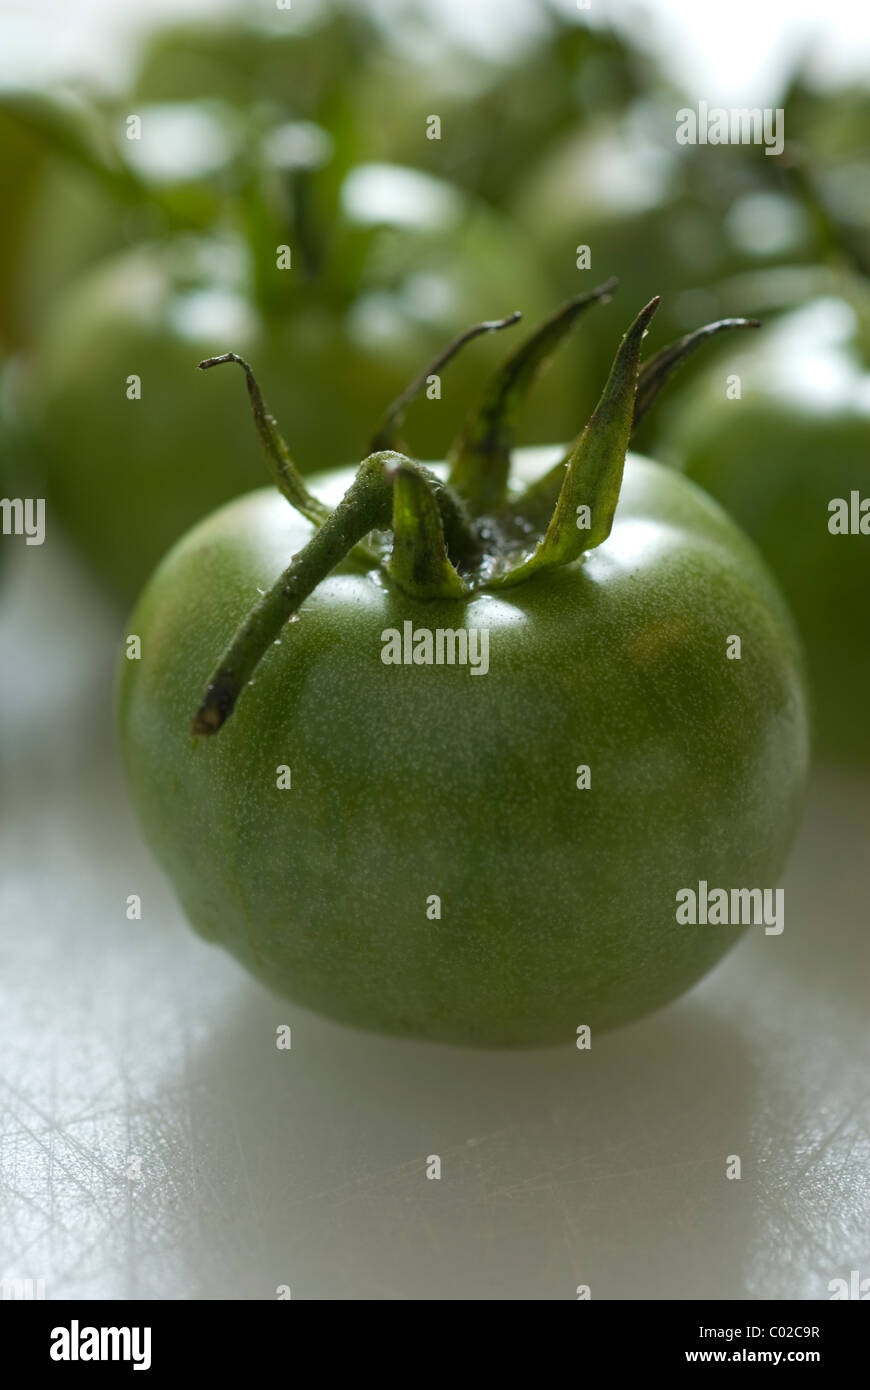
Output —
<point x="592" y="479"/>
<point x="479" y="458"/>
<point x="654" y="373"/>
<point x="284" y="472"/>
<point x="419" y="562"/>
<point x="386" y="436"/>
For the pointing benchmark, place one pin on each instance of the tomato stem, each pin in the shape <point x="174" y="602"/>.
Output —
<point x="364" y="507"/>
<point x="438" y="550"/>
<point x="480" y="455"/>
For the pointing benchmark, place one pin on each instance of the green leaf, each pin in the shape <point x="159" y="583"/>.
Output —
<point x="75" y="130"/>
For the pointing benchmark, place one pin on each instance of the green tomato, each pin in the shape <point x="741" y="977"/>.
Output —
<point x="412" y="786"/>
<point x="101" y="456"/>
<point x="777" y="459"/>
<point x="179" y="173"/>
<point x="651" y="212"/>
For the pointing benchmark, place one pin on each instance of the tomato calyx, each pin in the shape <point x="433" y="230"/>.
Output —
<point x="540" y="498"/>
<point x="285" y="476"/>
<point x="437" y="540"/>
<point x="479" y="458"/>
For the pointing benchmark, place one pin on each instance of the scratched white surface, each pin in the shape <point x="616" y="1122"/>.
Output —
<point x="132" y="1047"/>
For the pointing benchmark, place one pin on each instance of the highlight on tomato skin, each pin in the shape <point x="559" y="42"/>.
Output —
<point x="484" y="751"/>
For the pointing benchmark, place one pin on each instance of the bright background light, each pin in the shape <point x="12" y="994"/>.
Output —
<point x="721" y="54"/>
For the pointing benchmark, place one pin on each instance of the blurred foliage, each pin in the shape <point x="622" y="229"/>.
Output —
<point x="22" y="157"/>
<point x="497" y="122"/>
<point x="829" y="165"/>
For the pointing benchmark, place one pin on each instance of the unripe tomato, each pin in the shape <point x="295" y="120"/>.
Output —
<point x="619" y="197"/>
<point x="411" y="785"/>
<point x="786" y="458"/>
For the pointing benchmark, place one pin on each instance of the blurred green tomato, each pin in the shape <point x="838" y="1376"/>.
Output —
<point x="128" y="474"/>
<point x="177" y="172"/>
<point x="21" y="167"/>
<point x="791" y="461"/>
<point x="657" y="217"/>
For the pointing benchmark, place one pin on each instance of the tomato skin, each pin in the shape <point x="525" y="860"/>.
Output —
<point x="775" y="460"/>
<point x="558" y="905"/>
